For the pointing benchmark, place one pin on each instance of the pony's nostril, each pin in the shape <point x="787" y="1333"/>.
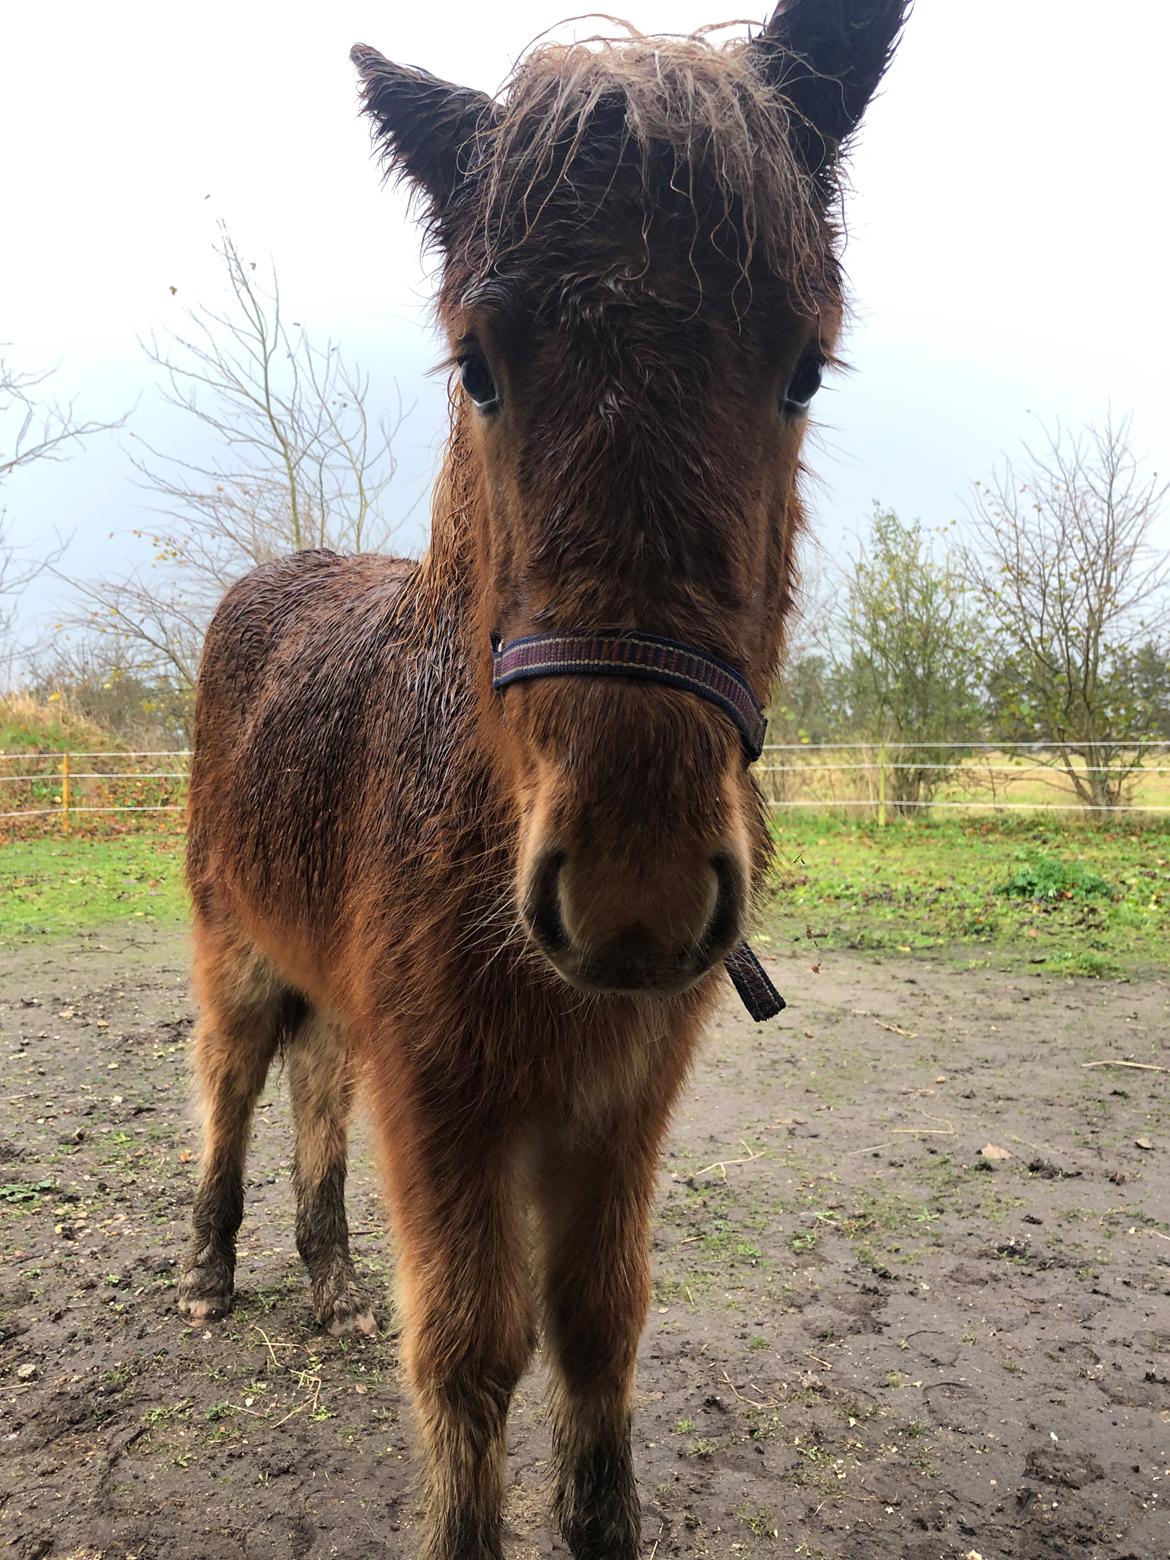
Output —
<point x="724" y="926"/>
<point x="543" y="903"/>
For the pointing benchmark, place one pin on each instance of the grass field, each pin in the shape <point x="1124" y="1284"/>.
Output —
<point x="53" y="886"/>
<point x="1077" y="898"/>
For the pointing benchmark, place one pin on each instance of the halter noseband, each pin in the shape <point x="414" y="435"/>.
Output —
<point x="645" y="656"/>
<point x="650" y="658"/>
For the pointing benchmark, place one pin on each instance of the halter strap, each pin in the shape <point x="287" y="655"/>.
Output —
<point x="666" y="661"/>
<point x="751" y="981"/>
<point x="645" y="656"/>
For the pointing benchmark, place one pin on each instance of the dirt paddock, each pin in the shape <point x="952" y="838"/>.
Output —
<point x="868" y="1338"/>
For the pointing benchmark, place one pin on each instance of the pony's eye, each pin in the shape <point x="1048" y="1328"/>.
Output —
<point x="804" y="384"/>
<point x="477" y="380"/>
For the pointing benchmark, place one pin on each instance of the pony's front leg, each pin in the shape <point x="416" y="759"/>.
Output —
<point x="595" y="1202"/>
<point x="468" y="1322"/>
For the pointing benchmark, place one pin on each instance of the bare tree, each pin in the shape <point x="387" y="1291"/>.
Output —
<point x="1060" y="558"/>
<point x="19" y="566"/>
<point x="295" y="461"/>
<point x="94" y="680"/>
<point x="33" y="427"/>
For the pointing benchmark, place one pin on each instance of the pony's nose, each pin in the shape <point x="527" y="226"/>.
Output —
<point x="603" y="941"/>
<point x="634" y="959"/>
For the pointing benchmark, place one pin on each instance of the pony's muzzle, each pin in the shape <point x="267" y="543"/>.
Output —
<point x="603" y="934"/>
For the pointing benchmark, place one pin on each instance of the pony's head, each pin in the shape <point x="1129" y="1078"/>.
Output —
<point x="641" y="293"/>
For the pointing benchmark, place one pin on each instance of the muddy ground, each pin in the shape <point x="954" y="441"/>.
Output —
<point x="867" y="1339"/>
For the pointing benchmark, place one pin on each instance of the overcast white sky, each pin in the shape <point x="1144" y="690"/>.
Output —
<point x="1007" y="244"/>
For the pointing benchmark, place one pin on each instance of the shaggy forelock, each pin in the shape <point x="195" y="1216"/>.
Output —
<point x="691" y="127"/>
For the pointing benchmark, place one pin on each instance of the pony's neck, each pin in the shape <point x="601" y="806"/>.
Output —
<point x="449" y="563"/>
<point x="452" y="607"/>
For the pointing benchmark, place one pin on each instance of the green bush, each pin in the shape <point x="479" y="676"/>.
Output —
<point x="1047" y="878"/>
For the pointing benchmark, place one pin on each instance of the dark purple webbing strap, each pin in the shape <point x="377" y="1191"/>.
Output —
<point x="750" y="979"/>
<point x="645" y="656"/>
<point x="675" y="665"/>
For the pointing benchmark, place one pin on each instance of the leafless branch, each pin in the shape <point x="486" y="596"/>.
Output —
<point x="297" y="461"/>
<point x="33" y="427"/>
<point x="1059" y="556"/>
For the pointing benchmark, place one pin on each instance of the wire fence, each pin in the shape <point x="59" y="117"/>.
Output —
<point x="58" y="791"/>
<point x="887" y="779"/>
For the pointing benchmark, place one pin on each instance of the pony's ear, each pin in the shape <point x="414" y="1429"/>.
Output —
<point x="826" y="58"/>
<point x="426" y="127"/>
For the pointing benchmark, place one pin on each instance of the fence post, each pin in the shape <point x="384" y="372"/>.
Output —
<point x="881" y="787"/>
<point x="64" y="793"/>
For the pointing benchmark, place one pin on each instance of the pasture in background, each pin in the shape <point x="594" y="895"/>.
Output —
<point x="1063" y="890"/>
<point x="998" y="864"/>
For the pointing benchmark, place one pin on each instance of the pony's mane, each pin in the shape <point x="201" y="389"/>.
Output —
<point x="706" y="132"/>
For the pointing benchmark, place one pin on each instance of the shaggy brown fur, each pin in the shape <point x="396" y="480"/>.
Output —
<point x="685" y="128"/>
<point x="387" y="859"/>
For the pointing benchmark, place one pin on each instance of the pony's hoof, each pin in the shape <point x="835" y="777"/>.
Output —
<point x="346" y="1322"/>
<point x="205" y="1293"/>
<point x="344" y="1310"/>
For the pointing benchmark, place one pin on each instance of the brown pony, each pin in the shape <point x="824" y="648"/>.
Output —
<point x="507" y="911"/>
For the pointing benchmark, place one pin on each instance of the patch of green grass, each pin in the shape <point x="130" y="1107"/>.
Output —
<point x="1072" y="896"/>
<point x="163" y="1413"/>
<point x="761" y="1523"/>
<point x="24" y="1191"/>
<point x="117" y="1379"/>
<point x="1048" y="878"/>
<point x="30" y="726"/>
<point x="54" y="887"/>
<point x="1083" y="961"/>
<point x="1076" y="897"/>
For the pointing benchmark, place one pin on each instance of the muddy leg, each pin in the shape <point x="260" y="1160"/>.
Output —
<point x="595" y="1205"/>
<point x="321" y="1081"/>
<point x="245" y="1012"/>
<point x="468" y="1321"/>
